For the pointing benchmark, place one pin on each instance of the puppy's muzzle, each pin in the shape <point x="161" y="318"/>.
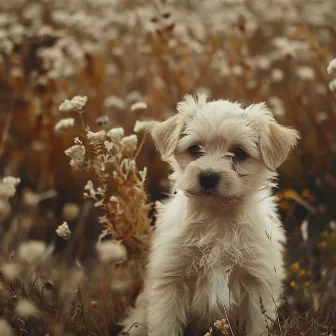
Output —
<point x="208" y="180"/>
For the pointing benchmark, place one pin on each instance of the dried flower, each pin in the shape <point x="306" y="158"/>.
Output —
<point x="114" y="102"/>
<point x="14" y="181"/>
<point x="70" y="211"/>
<point x="331" y="66"/>
<point x="75" y="104"/>
<point x="111" y="251"/>
<point x="64" y="124"/>
<point x="96" y="136"/>
<point x="277" y="75"/>
<point x="63" y="231"/>
<point x="26" y="308"/>
<point x="130" y="142"/>
<point x="77" y="155"/>
<point x="11" y="270"/>
<point x="32" y="251"/>
<point x="305" y="73"/>
<point x="116" y="134"/>
<point x="223" y="326"/>
<point x="332" y="85"/>
<point x="140" y="126"/>
<point x="138" y="106"/>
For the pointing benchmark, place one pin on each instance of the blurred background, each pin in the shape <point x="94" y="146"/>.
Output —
<point x="134" y="60"/>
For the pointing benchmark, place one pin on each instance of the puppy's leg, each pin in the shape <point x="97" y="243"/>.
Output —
<point x="136" y="322"/>
<point x="167" y="308"/>
<point x="257" y="307"/>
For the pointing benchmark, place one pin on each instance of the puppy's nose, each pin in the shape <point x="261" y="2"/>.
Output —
<point x="208" y="179"/>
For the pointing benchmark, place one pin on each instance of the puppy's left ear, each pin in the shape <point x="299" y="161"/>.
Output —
<point x="166" y="134"/>
<point x="275" y="141"/>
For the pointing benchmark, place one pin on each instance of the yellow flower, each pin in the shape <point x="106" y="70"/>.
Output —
<point x="302" y="272"/>
<point x="295" y="266"/>
<point x="306" y="193"/>
<point x="293" y="284"/>
<point x="322" y="244"/>
<point x="290" y="193"/>
<point x="307" y="283"/>
<point x="284" y="205"/>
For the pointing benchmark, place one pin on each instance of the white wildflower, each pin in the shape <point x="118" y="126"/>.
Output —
<point x="331" y="66"/>
<point x="305" y="73"/>
<point x="304" y="230"/>
<point x="75" y="104"/>
<point x="111" y="251"/>
<point x="277" y="75"/>
<point x="64" y="124"/>
<point x="140" y="126"/>
<point x="263" y="63"/>
<point x="332" y="85"/>
<point x="322" y="116"/>
<point x="143" y="174"/>
<point x="5" y="328"/>
<point x="96" y="136"/>
<point x="237" y="70"/>
<point x="7" y="190"/>
<point x="88" y="186"/>
<point x="8" y="186"/>
<point x="29" y="198"/>
<point x="11" y="270"/>
<point x="116" y="134"/>
<point x="108" y="145"/>
<point x="114" y="199"/>
<point x="26" y="308"/>
<point x="11" y="180"/>
<point x="133" y="97"/>
<point x="77" y="155"/>
<point x="77" y="141"/>
<point x="63" y="231"/>
<point x="114" y="102"/>
<point x="332" y="225"/>
<point x="70" y="211"/>
<point x="139" y="106"/>
<point x="130" y="142"/>
<point x="32" y="251"/>
<point x="277" y="106"/>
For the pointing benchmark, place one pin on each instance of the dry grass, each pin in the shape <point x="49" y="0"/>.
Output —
<point x="135" y="61"/>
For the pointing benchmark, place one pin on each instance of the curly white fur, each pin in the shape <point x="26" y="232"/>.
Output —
<point x="216" y="254"/>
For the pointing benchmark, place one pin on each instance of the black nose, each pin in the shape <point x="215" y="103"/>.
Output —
<point x="208" y="179"/>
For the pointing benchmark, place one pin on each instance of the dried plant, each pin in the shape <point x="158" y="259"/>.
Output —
<point x="125" y="62"/>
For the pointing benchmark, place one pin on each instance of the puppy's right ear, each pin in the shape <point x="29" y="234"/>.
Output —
<point x="166" y="134"/>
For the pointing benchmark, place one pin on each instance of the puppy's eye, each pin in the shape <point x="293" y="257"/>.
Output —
<point x="195" y="151"/>
<point x="239" y="154"/>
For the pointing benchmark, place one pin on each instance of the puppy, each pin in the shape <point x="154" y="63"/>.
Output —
<point x="218" y="246"/>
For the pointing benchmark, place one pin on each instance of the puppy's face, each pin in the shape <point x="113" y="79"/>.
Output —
<point x="221" y="150"/>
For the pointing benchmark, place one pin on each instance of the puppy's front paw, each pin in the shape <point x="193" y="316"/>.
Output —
<point x="136" y="329"/>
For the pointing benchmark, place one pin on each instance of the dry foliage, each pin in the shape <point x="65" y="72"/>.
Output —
<point x="77" y="75"/>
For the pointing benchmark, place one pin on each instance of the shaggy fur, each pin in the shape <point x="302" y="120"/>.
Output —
<point x="217" y="251"/>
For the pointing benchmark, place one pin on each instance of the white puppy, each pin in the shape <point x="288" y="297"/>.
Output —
<point x="218" y="244"/>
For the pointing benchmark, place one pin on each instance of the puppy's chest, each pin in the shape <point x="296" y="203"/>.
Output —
<point x="221" y="255"/>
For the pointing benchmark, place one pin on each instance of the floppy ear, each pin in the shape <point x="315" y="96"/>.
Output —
<point x="276" y="142"/>
<point x="166" y="134"/>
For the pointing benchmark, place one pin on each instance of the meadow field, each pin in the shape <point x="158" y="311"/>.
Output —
<point x="79" y="179"/>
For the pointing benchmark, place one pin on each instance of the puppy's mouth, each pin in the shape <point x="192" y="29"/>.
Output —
<point x="202" y="192"/>
<point x="208" y="192"/>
